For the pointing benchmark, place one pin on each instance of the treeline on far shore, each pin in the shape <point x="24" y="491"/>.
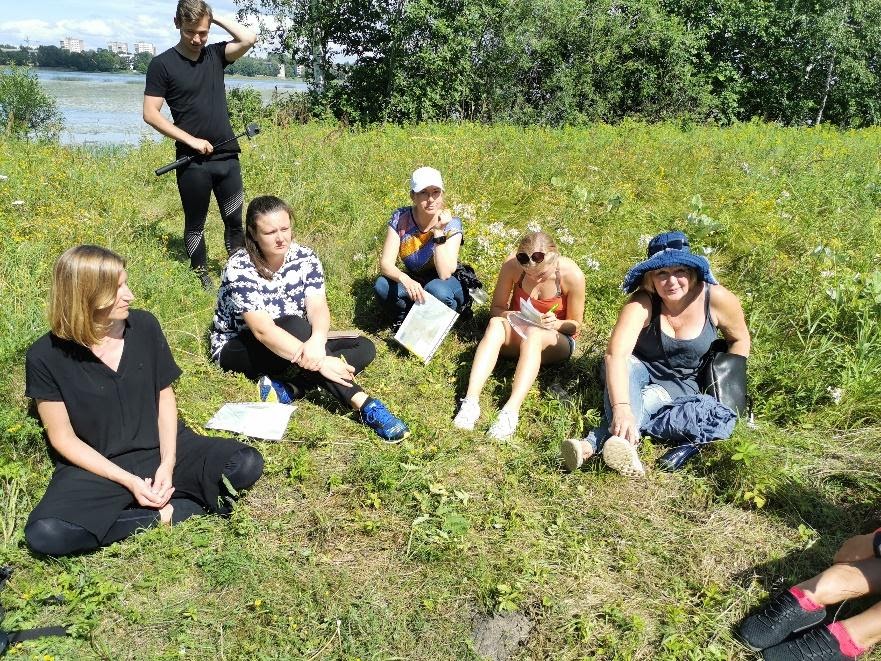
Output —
<point x="103" y="60"/>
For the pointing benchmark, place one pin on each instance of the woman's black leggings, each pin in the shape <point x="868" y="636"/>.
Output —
<point x="56" y="537"/>
<point x="195" y="181"/>
<point x="247" y="355"/>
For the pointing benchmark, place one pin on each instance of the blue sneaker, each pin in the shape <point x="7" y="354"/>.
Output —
<point x="391" y="429"/>
<point x="275" y="391"/>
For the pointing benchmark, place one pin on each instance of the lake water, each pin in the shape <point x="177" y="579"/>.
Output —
<point x="106" y="109"/>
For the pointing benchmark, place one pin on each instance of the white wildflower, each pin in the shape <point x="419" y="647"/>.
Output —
<point x="745" y="167"/>
<point x="484" y="243"/>
<point x="466" y="212"/>
<point x="496" y="228"/>
<point x="593" y="168"/>
<point x="565" y="237"/>
<point x="533" y="226"/>
<point x="359" y="257"/>
<point x="835" y="394"/>
<point x="708" y="250"/>
<point x="18" y="203"/>
<point x="827" y="274"/>
<point x="785" y="216"/>
<point x="785" y="194"/>
<point x="3" y="177"/>
<point x="591" y="263"/>
<point x="644" y="240"/>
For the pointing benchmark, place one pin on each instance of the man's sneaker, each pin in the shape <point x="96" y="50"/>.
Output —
<point x="468" y="414"/>
<point x="275" y="391"/>
<point x="780" y="618"/>
<point x="504" y="426"/>
<point x="621" y="455"/>
<point x="815" y="645"/>
<point x="390" y="428"/>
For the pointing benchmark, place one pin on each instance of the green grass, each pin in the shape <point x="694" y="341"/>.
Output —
<point x="348" y="548"/>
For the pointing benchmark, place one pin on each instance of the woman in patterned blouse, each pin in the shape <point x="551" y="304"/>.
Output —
<point x="272" y="320"/>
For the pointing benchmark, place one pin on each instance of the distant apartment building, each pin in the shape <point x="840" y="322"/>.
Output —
<point x="72" y="45"/>
<point x="118" y="47"/>
<point x="144" y="47"/>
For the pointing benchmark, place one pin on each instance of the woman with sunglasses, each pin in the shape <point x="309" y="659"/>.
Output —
<point x="663" y="331"/>
<point x="426" y="238"/>
<point x="554" y="285"/>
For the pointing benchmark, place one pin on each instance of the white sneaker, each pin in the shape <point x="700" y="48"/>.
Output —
<point x="504" y="426"/>
<point x="468" y="414"/>
<point x="620" y="455"/>
<point x="572" y="453"/>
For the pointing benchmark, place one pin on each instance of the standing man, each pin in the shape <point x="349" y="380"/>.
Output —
<point x="189" y="77"/>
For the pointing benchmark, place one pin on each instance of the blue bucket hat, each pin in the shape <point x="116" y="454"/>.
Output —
<point x="666" y="250"/>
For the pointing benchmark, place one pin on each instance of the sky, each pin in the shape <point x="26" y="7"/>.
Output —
<point x="97" y="22"/>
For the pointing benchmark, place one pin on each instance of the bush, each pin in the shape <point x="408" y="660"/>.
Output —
<point x="245" y="105"/>
<point x="25" y="109"/>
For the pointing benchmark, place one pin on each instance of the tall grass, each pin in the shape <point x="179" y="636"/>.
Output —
<point x="347" y="549"/>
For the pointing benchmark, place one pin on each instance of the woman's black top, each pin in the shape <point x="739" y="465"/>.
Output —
<point x="114" y="412"/>
<point x="673" y="363"/>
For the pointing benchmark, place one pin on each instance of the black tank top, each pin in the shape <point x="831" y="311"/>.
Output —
<point x="672" y="363"/>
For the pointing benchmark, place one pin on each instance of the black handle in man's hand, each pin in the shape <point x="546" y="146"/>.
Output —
<point x="250" y="130"/>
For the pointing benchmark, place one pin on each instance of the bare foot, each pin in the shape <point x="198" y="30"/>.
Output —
<point x="165" y="514"/>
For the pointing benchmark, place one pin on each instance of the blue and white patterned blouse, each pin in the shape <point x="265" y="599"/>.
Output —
<point x="243" y="290"/>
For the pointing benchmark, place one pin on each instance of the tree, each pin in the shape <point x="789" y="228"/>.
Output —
<point x="141" y="62"/>
<point x="25" y="109"/>
<point x="573" y="61"/>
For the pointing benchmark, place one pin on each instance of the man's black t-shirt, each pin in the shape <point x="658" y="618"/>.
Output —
<point x="195" y="94"/>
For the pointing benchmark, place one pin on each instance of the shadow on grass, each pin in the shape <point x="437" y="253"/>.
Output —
<point x="178" y="249"/>
<point x="578" y="376"/>
<point x="369" y="315"/>
<point x="825" y="522"/>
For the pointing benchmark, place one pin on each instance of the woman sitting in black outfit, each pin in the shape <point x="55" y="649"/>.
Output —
<point x="102" y="384"/>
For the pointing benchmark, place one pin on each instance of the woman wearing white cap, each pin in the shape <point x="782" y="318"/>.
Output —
<point x="427" y="239"/>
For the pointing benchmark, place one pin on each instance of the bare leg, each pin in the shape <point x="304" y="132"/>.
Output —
<point x="844" y="581"/>
<point x="498" y="334"/>
<point x="865" y="628"/>
<point x="540" y="347"/>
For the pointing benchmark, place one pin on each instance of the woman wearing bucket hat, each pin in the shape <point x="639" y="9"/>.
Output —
<point x="554" y="286"/>
<point x="663" y="331"/>
<point x="426" y="237"/>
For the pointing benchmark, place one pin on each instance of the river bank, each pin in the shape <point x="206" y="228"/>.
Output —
<point x="106" y="108"/>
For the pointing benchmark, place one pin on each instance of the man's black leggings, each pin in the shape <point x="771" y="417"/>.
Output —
<point x="195" y="181"/>
<point x="247" y="355"/>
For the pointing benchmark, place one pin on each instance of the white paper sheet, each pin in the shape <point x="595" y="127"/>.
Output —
<point x="256" y="419"/>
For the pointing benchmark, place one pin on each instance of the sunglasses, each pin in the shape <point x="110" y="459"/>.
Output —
<point x="672" y="244"/>
<point x="537" y="257"/>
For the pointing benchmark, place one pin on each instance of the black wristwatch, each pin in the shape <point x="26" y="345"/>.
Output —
<point x="876" y="543"/>
<point x="439" y="239"/>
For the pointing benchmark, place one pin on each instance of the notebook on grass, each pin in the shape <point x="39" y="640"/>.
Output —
<point x="426" y="326"/>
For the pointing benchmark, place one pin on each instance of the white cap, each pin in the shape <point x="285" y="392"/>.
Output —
<point x="424" y="177"/>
